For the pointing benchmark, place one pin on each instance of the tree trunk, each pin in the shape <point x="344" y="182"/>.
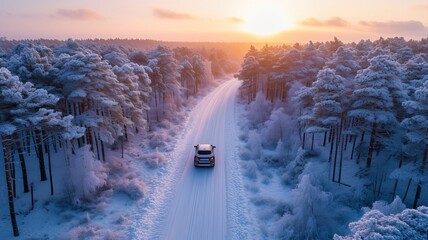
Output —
<point x="156" y="106"/>
<point x="96" y="145"/>
<point x="380" y="185"/>
<point x="331" y="144"/>
<point x="121" y="143"/>
<point x="417" y="194"/>
<point x="395" y="189"/>
<point x="313" y="138"/>
<point x="89" y="138"/>
<point x="338" y="140"/>
<point x="39" y="140"/>
<point x="340" y="163"/>
<point x="125" y="132"/>
<point x="353" y="147"/>
<point x="103" y="150"/>
<point x="407" y="189"/>
<point x="424" y="158"/>
<point x="304" y="139"/>
<point x="360" y="148"/>
<point x="325" y="139"/>
<point x="371" y="146"/>
<point x="28" y="138"/>
<point x="50" y="170"/>
<point x="148" y="121"/>
<point x="9" y="188"/>
<point x="13" y="175"/>
<point x="54" y="142"/>
<point x="346" y="142"/>
<point x="396" y="180"/>
<point x="22" y="162"/>
<point x="45" y="141"/>
<point x="60" y="142"/>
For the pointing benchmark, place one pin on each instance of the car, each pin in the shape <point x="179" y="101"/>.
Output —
<point x="204" y="155"/>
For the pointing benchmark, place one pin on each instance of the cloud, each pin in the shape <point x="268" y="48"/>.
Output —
<point x="394" y="26"/>
<point x="236" y="20"/>
<point x="332" y="22"/>
<point x="78" y="14"/>
<point x="168" y="14"/>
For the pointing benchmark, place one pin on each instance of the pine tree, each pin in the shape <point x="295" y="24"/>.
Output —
<point x="415" y="73"/>
<point x="249" y="73"/>
<point x="136" y="90"/>
<point x="31" y="62"/>
<point x="344" y="62"/>
<point x="165" y="79"/>
<point x="328" y="95"/>
<point x="27" y="107"/>
<point x="187" y="76"/>
<point x="94" y="94"/>
<point x="417" y="123"/>
<point x="377" y="97"/>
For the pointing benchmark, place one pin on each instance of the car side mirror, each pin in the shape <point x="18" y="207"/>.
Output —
<point x="214" y="147"/>
<point x="195" y="146"/>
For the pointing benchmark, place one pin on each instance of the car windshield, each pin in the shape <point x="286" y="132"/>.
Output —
<point x="204" y="152"/>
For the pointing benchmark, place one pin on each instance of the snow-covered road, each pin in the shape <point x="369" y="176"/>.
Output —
<point x="202" y="203"/>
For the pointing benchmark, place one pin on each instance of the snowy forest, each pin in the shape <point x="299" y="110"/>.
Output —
<point x="345" y="127"/>
<point x="333" y="136"/>
<point x="67" y="105"/>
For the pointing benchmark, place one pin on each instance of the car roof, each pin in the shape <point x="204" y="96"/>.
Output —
<point x="204" y="146"/>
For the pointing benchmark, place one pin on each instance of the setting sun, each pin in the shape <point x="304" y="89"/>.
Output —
<point x="264" y="19"/>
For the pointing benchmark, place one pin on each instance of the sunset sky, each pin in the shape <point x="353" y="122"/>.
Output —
<point x="214" y="20"/>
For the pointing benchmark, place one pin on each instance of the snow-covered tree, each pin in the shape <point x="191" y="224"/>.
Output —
<point x="86" y="175"/>
<point x="304" y="101"/>
<point x="329" y="106"/>
<point x="415" y="72"/>
<point x="165" y="79"/>
<point x="311" y="218"/>
<point x="409" y="224"/>
<point x="378" y="96"/>
<point x="313" y="62"/>
<point x="32" y="63"/>
<point x="25" y="107"/>
<point x="138" y="57"/>
<point x="344" y="62"/>
<point x="187" y="76"/>
<point x="202" y="72"/>
<point x="115" y="56"/>
<point x="328" y="92"/>
<point x="71" y="47"/>
<point x="136" y="90"/>
<point x="249" y="74"/>
<point x="93" y="94"/>
<point x="417" y="124"/>
<point x="404" y="54"/>
<point x="259" y="110"/>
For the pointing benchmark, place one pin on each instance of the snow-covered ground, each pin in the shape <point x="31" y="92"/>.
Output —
<point x="201" y="203"/>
